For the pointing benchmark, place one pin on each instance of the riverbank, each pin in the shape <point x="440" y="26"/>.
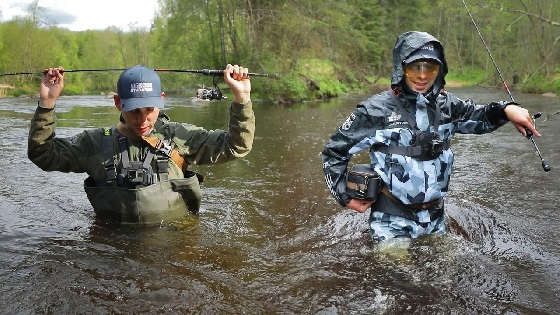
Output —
<point x="311" y="79"/>
<point x="538" y="84"/>
<point x="4" y="88"/>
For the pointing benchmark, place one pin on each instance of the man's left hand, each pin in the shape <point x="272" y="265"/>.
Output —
<point x="521" y="119"/>
<point x="51" y="86"/>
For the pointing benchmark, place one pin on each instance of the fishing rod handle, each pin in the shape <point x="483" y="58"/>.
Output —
<point x="221" y="72"/>
<point x="545" y="166"/>
<point x="212" y="72"/>
<point x="527" y="131"/>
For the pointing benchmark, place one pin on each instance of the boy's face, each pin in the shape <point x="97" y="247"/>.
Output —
<point x="141" y="121"/>
<point x="420" y="75"/>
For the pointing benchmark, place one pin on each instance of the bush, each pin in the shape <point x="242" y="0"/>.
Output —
<point x="309" y="79"/>
<point x="468" y="76"/>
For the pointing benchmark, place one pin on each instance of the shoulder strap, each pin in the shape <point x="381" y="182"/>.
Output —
<point x="437" y="117"/>
<point x="123" y="145"/>
<point x="148" y="160"/>
<point x="123" y="149"/>
<point x="108" y="158"/>
<point x="169" y="149"/>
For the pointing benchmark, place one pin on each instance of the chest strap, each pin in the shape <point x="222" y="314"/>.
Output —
<point x="424" y="149"/>
<point x="161" y="160"/>
<point x="123" y="146"/>
<point x="426" y="152"/>
<point x="166" y="148"/>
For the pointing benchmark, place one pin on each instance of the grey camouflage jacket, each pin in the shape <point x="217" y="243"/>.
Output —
<point x="381" y="119"/>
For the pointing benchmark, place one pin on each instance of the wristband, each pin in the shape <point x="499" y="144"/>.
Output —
<point x="39" y="105"/>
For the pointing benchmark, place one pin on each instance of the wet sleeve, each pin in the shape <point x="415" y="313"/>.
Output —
<point x="336" y="153"/>
<point x="200" y="146"/>
<point x="51" y="153"/>
<point x="478" y="119"/>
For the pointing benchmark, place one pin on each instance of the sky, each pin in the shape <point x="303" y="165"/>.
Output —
<point x="79" y="15"/>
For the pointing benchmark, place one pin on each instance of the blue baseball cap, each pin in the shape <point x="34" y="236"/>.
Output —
<point x="139" y="87"/>
<point x="428" y="51"/>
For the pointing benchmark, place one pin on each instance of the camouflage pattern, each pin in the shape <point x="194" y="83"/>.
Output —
<point x="377" y="120"/>
<point x="84" y="153"/>
<point x="382" y="119"/>
<point x="384" y="226"/>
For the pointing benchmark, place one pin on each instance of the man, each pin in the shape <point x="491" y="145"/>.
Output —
<point x="138" y="169"/>
<point x="408" y="132"/>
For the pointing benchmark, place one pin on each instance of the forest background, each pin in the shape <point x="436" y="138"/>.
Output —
<point x="319" y="48"/>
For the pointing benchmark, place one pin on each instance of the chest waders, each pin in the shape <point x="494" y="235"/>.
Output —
<point x="424" y="146"/>
<point x="140" y="191"/>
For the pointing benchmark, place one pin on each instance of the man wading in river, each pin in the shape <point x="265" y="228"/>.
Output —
<point x="408" y="132"/>
<point x="138" y="169"/>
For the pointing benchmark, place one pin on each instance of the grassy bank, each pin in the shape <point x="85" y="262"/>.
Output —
<point x="536" y="84"/>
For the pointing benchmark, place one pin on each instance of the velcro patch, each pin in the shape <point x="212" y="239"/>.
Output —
<point x="141" y="87"/>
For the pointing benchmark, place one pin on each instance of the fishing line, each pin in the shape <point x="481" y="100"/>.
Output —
<point x="546" y="167"/>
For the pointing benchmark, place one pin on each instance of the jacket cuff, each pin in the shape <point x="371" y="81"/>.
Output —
<point x="495" y="113"/>
<point x="344" y="200"/>
<point x="46" y="108"/>
<point x="249" y="102"/>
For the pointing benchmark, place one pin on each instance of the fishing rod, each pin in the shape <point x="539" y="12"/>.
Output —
<point x="546" y="167"/>
<point x="212" y="72"/>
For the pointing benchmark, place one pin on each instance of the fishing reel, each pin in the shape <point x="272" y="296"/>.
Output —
<point x="210" y="94"/>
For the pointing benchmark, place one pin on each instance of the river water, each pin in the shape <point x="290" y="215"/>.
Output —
<point x="269" y="237"/>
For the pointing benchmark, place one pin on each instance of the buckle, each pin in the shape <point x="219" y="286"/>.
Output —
<point x="135" y="177"/>
<point x="164" y="147"/>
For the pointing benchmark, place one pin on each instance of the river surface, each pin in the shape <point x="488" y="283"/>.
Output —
<point x="269" y="238"/>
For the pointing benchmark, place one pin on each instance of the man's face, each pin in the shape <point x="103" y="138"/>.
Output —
<point x="420" y="75"/>
<point x="141" y="121"/>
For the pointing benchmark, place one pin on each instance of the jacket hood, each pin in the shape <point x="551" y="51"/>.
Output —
<point x="406" y="44"/>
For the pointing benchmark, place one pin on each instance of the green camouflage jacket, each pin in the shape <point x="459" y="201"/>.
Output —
<point x="83" y="152"/>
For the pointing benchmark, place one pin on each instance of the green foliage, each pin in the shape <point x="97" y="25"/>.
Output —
<point x="310" y="79"/>
<point x="321" y="77"/>
<point x="18" y="92"/>
<point x="319" y="48"/>
<point x="540" y="83"/>
<point x="468" y="76"/>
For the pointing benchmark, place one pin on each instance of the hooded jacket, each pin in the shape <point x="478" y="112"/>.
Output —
<point x="383" y="119"/>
